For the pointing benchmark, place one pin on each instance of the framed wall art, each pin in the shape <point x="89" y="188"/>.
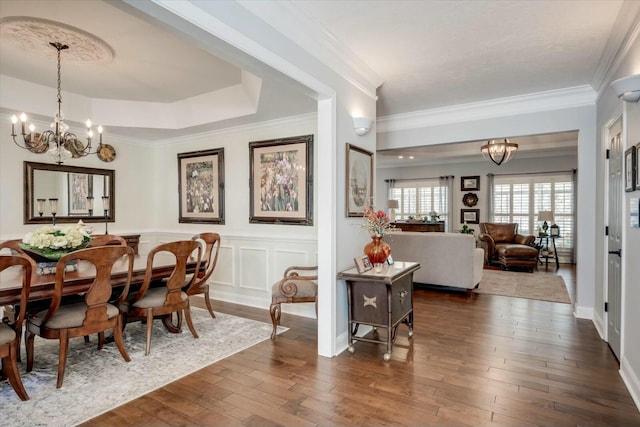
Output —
<point x="281" y="181"/>
<point x="359" y="180"/>
<point x="630" y="165"/>
<point x="638" y="166"/>
<point x="79" y="188"/>
<point x="469" y="183"/>
<point x="201" y="186"/>
<point x="469" y="216"/>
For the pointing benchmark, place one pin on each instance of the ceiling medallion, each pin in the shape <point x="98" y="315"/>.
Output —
<point x="34" y="35"/>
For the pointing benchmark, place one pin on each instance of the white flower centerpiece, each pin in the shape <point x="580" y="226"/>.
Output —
<point x="49" y="243"/>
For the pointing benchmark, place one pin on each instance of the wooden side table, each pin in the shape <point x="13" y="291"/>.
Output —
<point x="380" y="299"/>
<point x="544" y="258"/>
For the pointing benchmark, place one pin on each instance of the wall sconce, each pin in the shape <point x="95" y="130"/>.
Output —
<point x="627" y="88"/>
<point x="362" y="125"/>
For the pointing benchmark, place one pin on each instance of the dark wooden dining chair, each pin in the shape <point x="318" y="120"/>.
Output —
<point x="18" y="321"/>
<point x="298" y="284"/>
<point x="10" y="334"/>
<point x="210" y="259"/>
<point x="161" y="301"/>
<point x="106" y="239"/>
<point x="94" y="314"/>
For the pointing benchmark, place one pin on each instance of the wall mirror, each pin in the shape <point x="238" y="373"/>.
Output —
<point x="71" y="193"/>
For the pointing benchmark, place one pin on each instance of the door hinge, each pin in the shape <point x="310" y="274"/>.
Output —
<point x="606" y="230"/>
<point x="608" y="153"/>
<point x="606" y="307"/>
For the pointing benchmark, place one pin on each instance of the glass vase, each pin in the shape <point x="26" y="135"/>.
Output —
<point x="377" y="250"/>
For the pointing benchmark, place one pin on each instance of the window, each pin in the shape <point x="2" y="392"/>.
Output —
<point x="519" y="198"/>
<point x="417" y="198"/>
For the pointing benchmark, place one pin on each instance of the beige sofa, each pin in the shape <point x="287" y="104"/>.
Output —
<point x="446" y="259"/>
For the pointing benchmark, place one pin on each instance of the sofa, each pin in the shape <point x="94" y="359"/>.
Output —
<point x="446" y="259"/>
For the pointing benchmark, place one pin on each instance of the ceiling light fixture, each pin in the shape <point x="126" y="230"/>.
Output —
<point x="58" y="142"/>
<point x="627" y="88"/>
<point x="362" y="125"/>
<point x="498" y="151"/>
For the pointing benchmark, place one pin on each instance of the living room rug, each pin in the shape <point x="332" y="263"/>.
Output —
<point x="545" y="287"/>
<point x="97" y="381"/>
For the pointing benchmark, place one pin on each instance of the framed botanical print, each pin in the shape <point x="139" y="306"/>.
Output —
<point x="469" y="216"/>
<point x="79" y="188"/>
<point x="281" y="181"/>
<point x="359" y="180"/>
<point x="630" y="165"/>
<point x="469" y="183"/>
<point x="201" y="186"/>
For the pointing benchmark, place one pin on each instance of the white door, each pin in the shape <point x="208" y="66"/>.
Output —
<point x="614" y="240"/>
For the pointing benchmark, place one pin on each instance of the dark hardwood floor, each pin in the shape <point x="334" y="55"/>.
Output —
<point x="482" y="360"/>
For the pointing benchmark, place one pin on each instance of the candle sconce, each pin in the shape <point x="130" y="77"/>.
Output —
<point x="41" y="203"/>
<point x="54" y="209"/>
<point x="105" y="205"/>
<point x="90" y="205"/>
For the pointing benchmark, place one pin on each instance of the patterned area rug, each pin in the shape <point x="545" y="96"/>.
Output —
<point x="545" y="287"/>
<point x="96" y="381"/>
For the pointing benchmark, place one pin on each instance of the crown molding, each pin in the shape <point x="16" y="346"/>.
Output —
<point x="578" y="96"/>
<point x="276" y="123"/>
<point x="315" y="39"/>
<point x="625" y="32"/>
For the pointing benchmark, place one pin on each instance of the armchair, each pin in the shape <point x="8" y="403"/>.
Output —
<point x="504" y="246"/>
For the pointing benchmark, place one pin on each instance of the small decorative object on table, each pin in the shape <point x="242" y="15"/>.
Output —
<point x="49" y="243"/>
<point x="433" y="216"/>
<point x="467" y="230"/>
<point x="378" y="224"/>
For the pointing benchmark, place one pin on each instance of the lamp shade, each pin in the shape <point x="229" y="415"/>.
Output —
<point x="545" y="216"/>
<point x="393" y="204"/>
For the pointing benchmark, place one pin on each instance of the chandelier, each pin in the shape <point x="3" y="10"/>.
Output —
<point x="498" y="151"/>
<point x="58" y="142"/>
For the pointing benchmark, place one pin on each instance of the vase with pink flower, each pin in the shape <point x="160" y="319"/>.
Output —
<point x="378" y="224"/>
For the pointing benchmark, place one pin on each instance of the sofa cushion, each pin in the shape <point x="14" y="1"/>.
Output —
<point x="501" y="233"/>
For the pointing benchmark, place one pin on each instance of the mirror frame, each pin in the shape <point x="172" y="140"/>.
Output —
<point x="29" y="202"/>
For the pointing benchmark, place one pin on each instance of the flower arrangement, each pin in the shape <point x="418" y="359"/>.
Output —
<point x="53" y="242"/>
<point x="377" y="223"/>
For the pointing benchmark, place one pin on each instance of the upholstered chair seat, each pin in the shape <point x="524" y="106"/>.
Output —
<point x="67" y="316"/>
<point x="298" y="284"/>
<point x="7" y="334"/>
<point x="155" y="297"/>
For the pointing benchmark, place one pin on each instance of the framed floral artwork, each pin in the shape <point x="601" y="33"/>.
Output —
<point x="359" y="180"/>
<point x="201" y="186"/>
<point x="630" y="169"/>
<point x="80" y="186"/>
<point x="281" y="181"/>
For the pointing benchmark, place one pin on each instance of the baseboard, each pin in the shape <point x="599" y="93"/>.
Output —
<point x="599" y="325"/>
<point x="631" y="380"/>
<point x="583" y="312"/>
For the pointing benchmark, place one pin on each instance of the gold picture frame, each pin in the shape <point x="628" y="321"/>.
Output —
<point x="359" y="180"/>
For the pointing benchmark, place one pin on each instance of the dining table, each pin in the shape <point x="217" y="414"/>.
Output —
<point x="80" y="280"/>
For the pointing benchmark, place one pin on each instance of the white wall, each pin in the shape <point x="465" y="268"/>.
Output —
<point x="134" y="177"/>
<point x="610" y="107"/>
<point x="480" y="168"/>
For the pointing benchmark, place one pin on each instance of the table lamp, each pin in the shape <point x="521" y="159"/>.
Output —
<point x="545" y="216"/>
<point x="392" y="205"/>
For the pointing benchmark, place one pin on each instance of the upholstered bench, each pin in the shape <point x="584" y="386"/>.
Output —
<point x="516" y="255"/>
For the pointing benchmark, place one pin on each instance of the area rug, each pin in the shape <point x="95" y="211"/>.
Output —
<point x="545" y="287"/>
<point x="97" y="381"/>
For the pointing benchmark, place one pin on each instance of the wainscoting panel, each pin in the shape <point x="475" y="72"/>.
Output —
<point x="253" y="266"/>
<point x="249" y="265"/>
<point x="223" y="274"/>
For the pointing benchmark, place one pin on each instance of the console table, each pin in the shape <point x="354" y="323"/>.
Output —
<point x="133" y="240"/>
<point x="420" y="226"/>
<point x="381" y="299"/>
